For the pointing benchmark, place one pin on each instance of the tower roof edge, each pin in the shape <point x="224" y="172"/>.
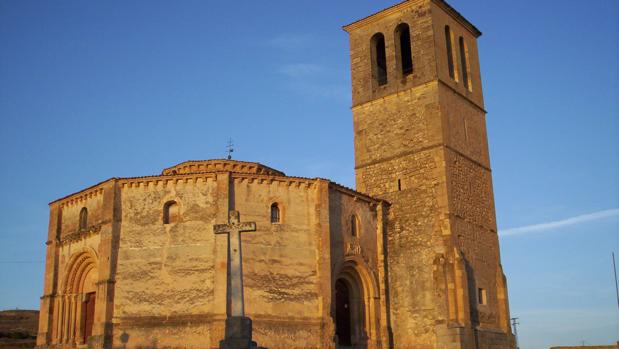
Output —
<point x="399" y="6"/>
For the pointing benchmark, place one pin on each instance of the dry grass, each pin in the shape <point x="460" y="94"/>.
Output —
<point x="18" y="328"/>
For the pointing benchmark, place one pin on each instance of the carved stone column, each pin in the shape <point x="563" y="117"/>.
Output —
<point x="79" y="323"/>
<point x="73" y="318"/>
<point x="60" y="317"/>
<point x="65" y="319"/>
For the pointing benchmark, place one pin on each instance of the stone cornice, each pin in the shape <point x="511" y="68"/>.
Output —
<point x="357" y="195"/>
<point x="153" y="181"/>
<point x="458" y="17"/>
<point x="82" y="195"/>
<point x="396" y="94"/>
<point x="404" y="4"/>
<point x="377" y="16"/>
<point x="81" y="234"/>
<point x="436" y="82"/>
<point x="290" y="181"/>
<point x="419" y="150"/>
<point x="147" y="181"/>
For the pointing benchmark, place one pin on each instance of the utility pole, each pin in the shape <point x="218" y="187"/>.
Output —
<point x="515" y="324"/>
<point x="616" y="288"/>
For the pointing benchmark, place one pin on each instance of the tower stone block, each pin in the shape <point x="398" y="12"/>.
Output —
<point x="421" y="144"/>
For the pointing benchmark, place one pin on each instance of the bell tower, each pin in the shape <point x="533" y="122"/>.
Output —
<point x="421" y="144"/>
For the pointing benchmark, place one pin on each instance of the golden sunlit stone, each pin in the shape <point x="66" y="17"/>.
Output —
<point x="409" y="260"/>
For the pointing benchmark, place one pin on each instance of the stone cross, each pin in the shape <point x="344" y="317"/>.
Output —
<point x="234" y="229"/>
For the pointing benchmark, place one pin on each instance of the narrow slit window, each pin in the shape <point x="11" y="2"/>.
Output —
<point x="354" y="225"/>
<point x="450" y="53"/>
<point x="275" y="214"/>
<point x="466" y="131"/>
<point x="83" y="218"/>
<point x="171" y="212"/>
<point x="403" y="42"/>
<point x="399" y="184"/>
<point x="379" y="59"/>
<point x="464" y="64"/>
<point x="482" y="296"/>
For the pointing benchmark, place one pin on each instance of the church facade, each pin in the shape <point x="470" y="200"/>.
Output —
<point x="410" y="259"/>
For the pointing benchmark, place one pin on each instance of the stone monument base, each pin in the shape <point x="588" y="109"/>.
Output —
<point x="238" y="334"/>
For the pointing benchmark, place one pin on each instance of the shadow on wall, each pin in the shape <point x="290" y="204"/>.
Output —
<point x="124" y="339"/>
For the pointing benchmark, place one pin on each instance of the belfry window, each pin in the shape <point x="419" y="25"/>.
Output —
<point x="450" y="53"/>
<point x="379" y="59"/>
<point x="464" y="64"/>
<point x="171" y="212"/>
<point x="354" y="225"/>
<point x="275" y="214"/>
<point x="403" y="47"/>
<point x="83" y="218"/>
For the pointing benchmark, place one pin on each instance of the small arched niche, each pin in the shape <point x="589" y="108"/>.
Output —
<point x="171" y="212"/>
<point x="354" y="225"/>
<point x="275" y="213"/>
<point x="83" y="219"/>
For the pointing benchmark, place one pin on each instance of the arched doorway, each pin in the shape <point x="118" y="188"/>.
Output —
<point x="88" y="295"/>
<point x="75" y="315"/>
<point x="352" y="308"/>
<point x="342" y="314"/>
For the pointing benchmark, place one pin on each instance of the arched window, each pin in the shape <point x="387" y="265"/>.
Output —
<point x="450" y="53"/>
<point x="83" y="218"/>
<point x="354" y="225"/>
<point x="464" y="65"/>
<point x="275" y="214"/>
<point x="379" y="59"/>
<point x="403" y="48"/>
<point x="171" y="212"/>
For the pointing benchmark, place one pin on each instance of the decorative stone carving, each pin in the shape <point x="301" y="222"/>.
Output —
<point x="353" y="248"/>
<point x="81" y="234"/>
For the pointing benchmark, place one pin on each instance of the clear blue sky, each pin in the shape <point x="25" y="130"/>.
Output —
<point x="96" y="89"/>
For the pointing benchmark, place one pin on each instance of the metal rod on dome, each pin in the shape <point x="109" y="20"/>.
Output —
<point x="230" y="147"/>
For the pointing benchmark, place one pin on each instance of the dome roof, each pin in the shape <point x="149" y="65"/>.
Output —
<point x="219" y="165"/>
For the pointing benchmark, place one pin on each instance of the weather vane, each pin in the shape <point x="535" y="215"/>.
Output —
<point x="230" y="147"/>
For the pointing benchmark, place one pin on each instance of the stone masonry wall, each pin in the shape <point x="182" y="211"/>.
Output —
<point x="280" y="262"/>
<point x="398" y="159"/>
<point x="414" y="232"/>
<point x="417" y="15"/>
<point x="165" y="275"/>
<point x="421" y="144"/>
<point x="362" y="251"/>
<point x="171" y="280"/>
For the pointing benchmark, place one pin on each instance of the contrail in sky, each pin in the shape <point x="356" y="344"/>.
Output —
<point x="535" y="228"/>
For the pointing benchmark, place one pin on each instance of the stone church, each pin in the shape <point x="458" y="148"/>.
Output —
<point x="408" y="259"/>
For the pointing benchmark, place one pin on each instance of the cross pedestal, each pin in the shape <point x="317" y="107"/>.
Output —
<point x="238" y="327"/>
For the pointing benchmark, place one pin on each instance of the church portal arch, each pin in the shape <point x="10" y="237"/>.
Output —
<point x="75" y="305"/>
<point x="355" y="306"/>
